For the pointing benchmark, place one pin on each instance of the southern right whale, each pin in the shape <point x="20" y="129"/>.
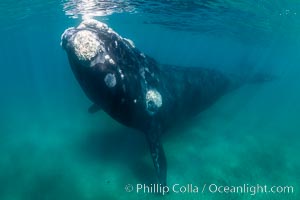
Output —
<point x="137" y="91"/>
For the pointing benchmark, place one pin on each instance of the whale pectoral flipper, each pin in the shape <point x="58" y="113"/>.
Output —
<point x="158" y="157"/>
<point x="94" y="108"/>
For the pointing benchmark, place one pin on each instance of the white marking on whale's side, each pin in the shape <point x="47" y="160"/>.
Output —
<point x="110" y="80"/>
<point x="153" y="101"/>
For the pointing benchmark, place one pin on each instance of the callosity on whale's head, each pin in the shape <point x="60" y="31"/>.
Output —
<point x="133" y="88"/>
<point x="121" y="80"/>
<point x="97" y="54"/>
<point x="111" y="71"/>
<point x="91" y="43"/>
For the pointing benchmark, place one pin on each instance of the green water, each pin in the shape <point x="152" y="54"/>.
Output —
<point x="52" y="148"/>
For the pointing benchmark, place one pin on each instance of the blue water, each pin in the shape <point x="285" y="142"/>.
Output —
<point x="51" y="148"/>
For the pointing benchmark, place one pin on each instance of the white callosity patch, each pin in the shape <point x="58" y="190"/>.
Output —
<point x="110" y="80"/>
<point x="86" y="45"/>
<point x="121" y="73"/>
<point x="109" y="59"/>
<point x="130" y="42"/>
<point x="89" y="47"/>
<point x="92" y="23"/>
<point x="153" y="101"/>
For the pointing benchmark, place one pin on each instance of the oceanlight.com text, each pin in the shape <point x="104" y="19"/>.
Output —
<point x="209" y="188"/>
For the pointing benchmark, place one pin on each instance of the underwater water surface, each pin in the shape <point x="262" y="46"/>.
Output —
<point x="52" y="148"/>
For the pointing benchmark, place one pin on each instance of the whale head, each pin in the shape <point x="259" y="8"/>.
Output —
<point x="105" y="64"/>
<point x="92" y="44"/>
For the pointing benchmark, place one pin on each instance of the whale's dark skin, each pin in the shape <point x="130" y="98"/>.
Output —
<point x="137" y="91"/>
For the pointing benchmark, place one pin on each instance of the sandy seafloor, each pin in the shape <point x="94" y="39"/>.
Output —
<point x="51" y="148"/>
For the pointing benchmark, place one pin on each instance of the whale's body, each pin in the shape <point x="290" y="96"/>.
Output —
<point x="134" y="89"/>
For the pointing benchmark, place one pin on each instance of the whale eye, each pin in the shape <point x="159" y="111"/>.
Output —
<point x="86" y="45"/>
<point x="110" y="80"/>
<point x="153" y="101"/>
